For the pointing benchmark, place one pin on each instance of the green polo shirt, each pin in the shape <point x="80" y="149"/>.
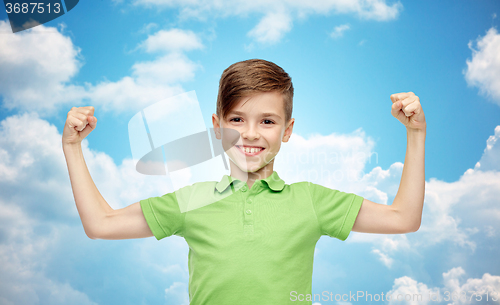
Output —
<point x="251" y="246"/>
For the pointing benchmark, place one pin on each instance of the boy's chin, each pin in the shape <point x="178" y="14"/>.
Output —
<point x="250" y="168"/>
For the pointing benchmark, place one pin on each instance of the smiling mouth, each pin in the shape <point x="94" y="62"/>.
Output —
<point x="250" y="151"/>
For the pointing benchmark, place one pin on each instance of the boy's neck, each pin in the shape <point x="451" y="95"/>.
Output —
<point x="251" y="177"/>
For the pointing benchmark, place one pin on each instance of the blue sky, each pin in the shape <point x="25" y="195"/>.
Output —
<point x="345" y="62"/>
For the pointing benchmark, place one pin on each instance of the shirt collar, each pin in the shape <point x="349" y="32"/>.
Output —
<point x="274" y="182"/>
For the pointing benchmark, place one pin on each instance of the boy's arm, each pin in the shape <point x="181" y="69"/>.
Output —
<point x="98" y="218"/>
<point x="405" y="213"/>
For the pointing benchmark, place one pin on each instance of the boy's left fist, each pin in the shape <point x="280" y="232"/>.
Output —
<point x="407" y="109"/>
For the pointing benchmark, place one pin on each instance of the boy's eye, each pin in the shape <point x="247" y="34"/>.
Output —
<point x="238" y="120"/>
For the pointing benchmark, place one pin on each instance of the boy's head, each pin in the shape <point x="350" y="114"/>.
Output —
<point x="250" y="77"/>
<point x="254" y="106"/>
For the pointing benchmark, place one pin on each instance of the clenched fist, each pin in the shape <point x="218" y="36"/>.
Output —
<point x="407" y="109"/>
<point x="79" y="123"/>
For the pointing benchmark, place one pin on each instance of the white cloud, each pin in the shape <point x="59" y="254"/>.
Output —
<point x="128" y="95"/>
<point x="381" y="184"/>
<point x="34" y="160"/>
<point x="168" y="69"/>
<point x="39" y="225"/>
<point x="177" y="294"/>
<point x="147" y="28"/>
<point x="334" y="160"/>
<point x="150" y="82"/>
<point x="271" y="28"/>
<point x="368" y="9"/>
<point x="490" y="160"/>
<point x="278" y="15"/>
<point x="408" y="291"/>
<point x="483" y="70"/>
<point x="172" y="40"/>
<point x="464" y="212"/>
<point x="383" y="257"/>
<point x="24" y="141"/>
<point x="35" y="68"/>
<point x="378" y="10"/>
<point x="486" y="285"/>
<point x="473" y="291"/>
<point x="338" y="31"/>
<point x="21" y="254"/>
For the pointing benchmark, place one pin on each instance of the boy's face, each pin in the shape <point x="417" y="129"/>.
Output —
<point x="260" y="121"/>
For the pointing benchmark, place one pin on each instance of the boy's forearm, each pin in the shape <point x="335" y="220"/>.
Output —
<point x="409" y="200"/>
<point x="89" y="202"/>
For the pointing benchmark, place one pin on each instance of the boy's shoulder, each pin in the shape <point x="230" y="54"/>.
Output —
<point x="313" y="189"/>
<point x="304" y="184"/>
<point x="195" y="195"/>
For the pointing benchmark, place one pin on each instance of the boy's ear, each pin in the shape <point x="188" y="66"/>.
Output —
<point x="216" y="123"/>
<point x="288" y="130"/>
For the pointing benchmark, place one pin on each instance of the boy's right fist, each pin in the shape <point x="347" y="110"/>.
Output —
<point x="79" y="123"/>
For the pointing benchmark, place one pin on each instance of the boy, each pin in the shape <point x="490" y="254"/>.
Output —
<point x="256" y="244"/>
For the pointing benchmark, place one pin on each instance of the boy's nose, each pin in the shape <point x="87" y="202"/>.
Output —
<point x="250" y="133"/>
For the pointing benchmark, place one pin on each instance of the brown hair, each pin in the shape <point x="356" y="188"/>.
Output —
<point x="246" y="78"/>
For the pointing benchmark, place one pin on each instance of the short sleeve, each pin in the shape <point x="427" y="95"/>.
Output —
<point x="336" y="211"/>
<point x="163" y="215"/>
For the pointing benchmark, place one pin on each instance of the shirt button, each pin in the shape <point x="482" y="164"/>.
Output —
<point x="249" y="200"/>
<point x="243" y="188"/>
<point x="249" y="212"/>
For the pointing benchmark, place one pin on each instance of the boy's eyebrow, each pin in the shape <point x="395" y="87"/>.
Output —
<point x="263" y="114"/>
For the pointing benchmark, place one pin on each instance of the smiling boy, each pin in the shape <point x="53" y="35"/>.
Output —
<point x="256" y="244"/>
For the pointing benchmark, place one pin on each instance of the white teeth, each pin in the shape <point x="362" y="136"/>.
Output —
<point x="250" y="150"/>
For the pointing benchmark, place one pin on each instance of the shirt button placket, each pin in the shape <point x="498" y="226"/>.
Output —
<point x="248" y="213"/>
<point x="248" y="210"/>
